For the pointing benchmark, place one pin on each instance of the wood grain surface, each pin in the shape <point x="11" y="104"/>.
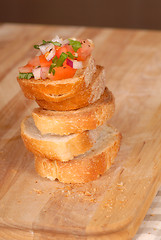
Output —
<point x="113" y="206"/>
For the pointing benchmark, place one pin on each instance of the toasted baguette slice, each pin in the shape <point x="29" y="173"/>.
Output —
<point x="56" y="147"/>
<point x="61" y="89"/>
<point x="86" y="167"/>
<point x="83" y="97"/>
<point x="75" y="121"/>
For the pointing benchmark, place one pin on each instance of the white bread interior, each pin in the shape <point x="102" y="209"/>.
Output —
<point x="56" y="147"/>
<point x="85" y="167"/>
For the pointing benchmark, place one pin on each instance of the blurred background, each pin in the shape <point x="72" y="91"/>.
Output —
<point x="145" y="14"/>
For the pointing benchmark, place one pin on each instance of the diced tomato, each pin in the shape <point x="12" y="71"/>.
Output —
<point x="60" y="72"/>
<point x="60" y="50"/>
<point x="65" y="49"/>
<point x="69" y="48"/>
<point x="25" y="69"/>
<point x="44" y="62"/>
<point x="85" y="50"/>
<point x="34" y="61"/>
<point x="63" y="72"/>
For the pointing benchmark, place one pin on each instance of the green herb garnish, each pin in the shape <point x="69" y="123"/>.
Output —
<point x="26" y="75"/>
<point x="37" y="46"/>
<point x="57" y="62"/>
<point x="70" y="55"/>
<point x="53" y="71"/>
<point x="55" y="43"/>
<point x="51" y="67"/>
<point x="54" y="62"/>
<point x="75" y="44"/>
<point x="55" y="59"/>
<point x="61" y="59"/>
<point x="45" y="42"/>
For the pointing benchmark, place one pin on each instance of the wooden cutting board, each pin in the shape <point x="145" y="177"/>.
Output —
<point x="113" y="206"/>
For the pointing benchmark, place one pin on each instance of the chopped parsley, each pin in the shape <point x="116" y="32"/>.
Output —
<point x="53" y="71"/>
<point x="70" y="55"/>
<point x="45" y="42"/>
<point x="26" y="75"/>
<point x="51" y="67"/>
<point x="75" y="44"/>
<point x="57" y="62"/>
<point x="55" y="59"/>
<point x="54" y="63"/>
<point x="61" y="59"/>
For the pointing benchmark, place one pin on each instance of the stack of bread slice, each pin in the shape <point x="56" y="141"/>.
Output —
<point x="69" y="134"/>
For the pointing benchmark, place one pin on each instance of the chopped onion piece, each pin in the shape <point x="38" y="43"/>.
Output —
<point x="36" y="72"/>
<point x="69" y="62"/>
<point x="43" y="49"/>
<point x="72" y="38"/>
<point x="74" y="63"/>
<point x="44" y="72"/>
<point x="66" y="41"/>
<point x="57" y="39"/>
<point x="77" y="64"/>
<point x="75" y="54"/>
<point x="50" y="55"/>
<point x="46" y="48"/>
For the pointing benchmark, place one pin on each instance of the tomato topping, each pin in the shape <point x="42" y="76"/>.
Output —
<point x="60" y="50"/>
<point x="63" y="72"/>
<point x="85" y="50"/>
<point x="26" y="69"/>
<point x="44" y="62"/>
<point x="34" y="61"/>
<point x="58" y="72"/>
<point x="65" y="49"/>
<point x="69" y="49"/>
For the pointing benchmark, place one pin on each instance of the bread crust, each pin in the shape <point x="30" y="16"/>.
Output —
<point x="59" y="90"/>
<point x="75" y="121"/>
<point x="81" y="99"/>
<point x="83" y="168"/>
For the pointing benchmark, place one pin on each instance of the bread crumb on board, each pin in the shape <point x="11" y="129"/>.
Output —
<point x="38" y="191"/>
<point x="82" y="192"/>
<point x="87" y="193"/>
